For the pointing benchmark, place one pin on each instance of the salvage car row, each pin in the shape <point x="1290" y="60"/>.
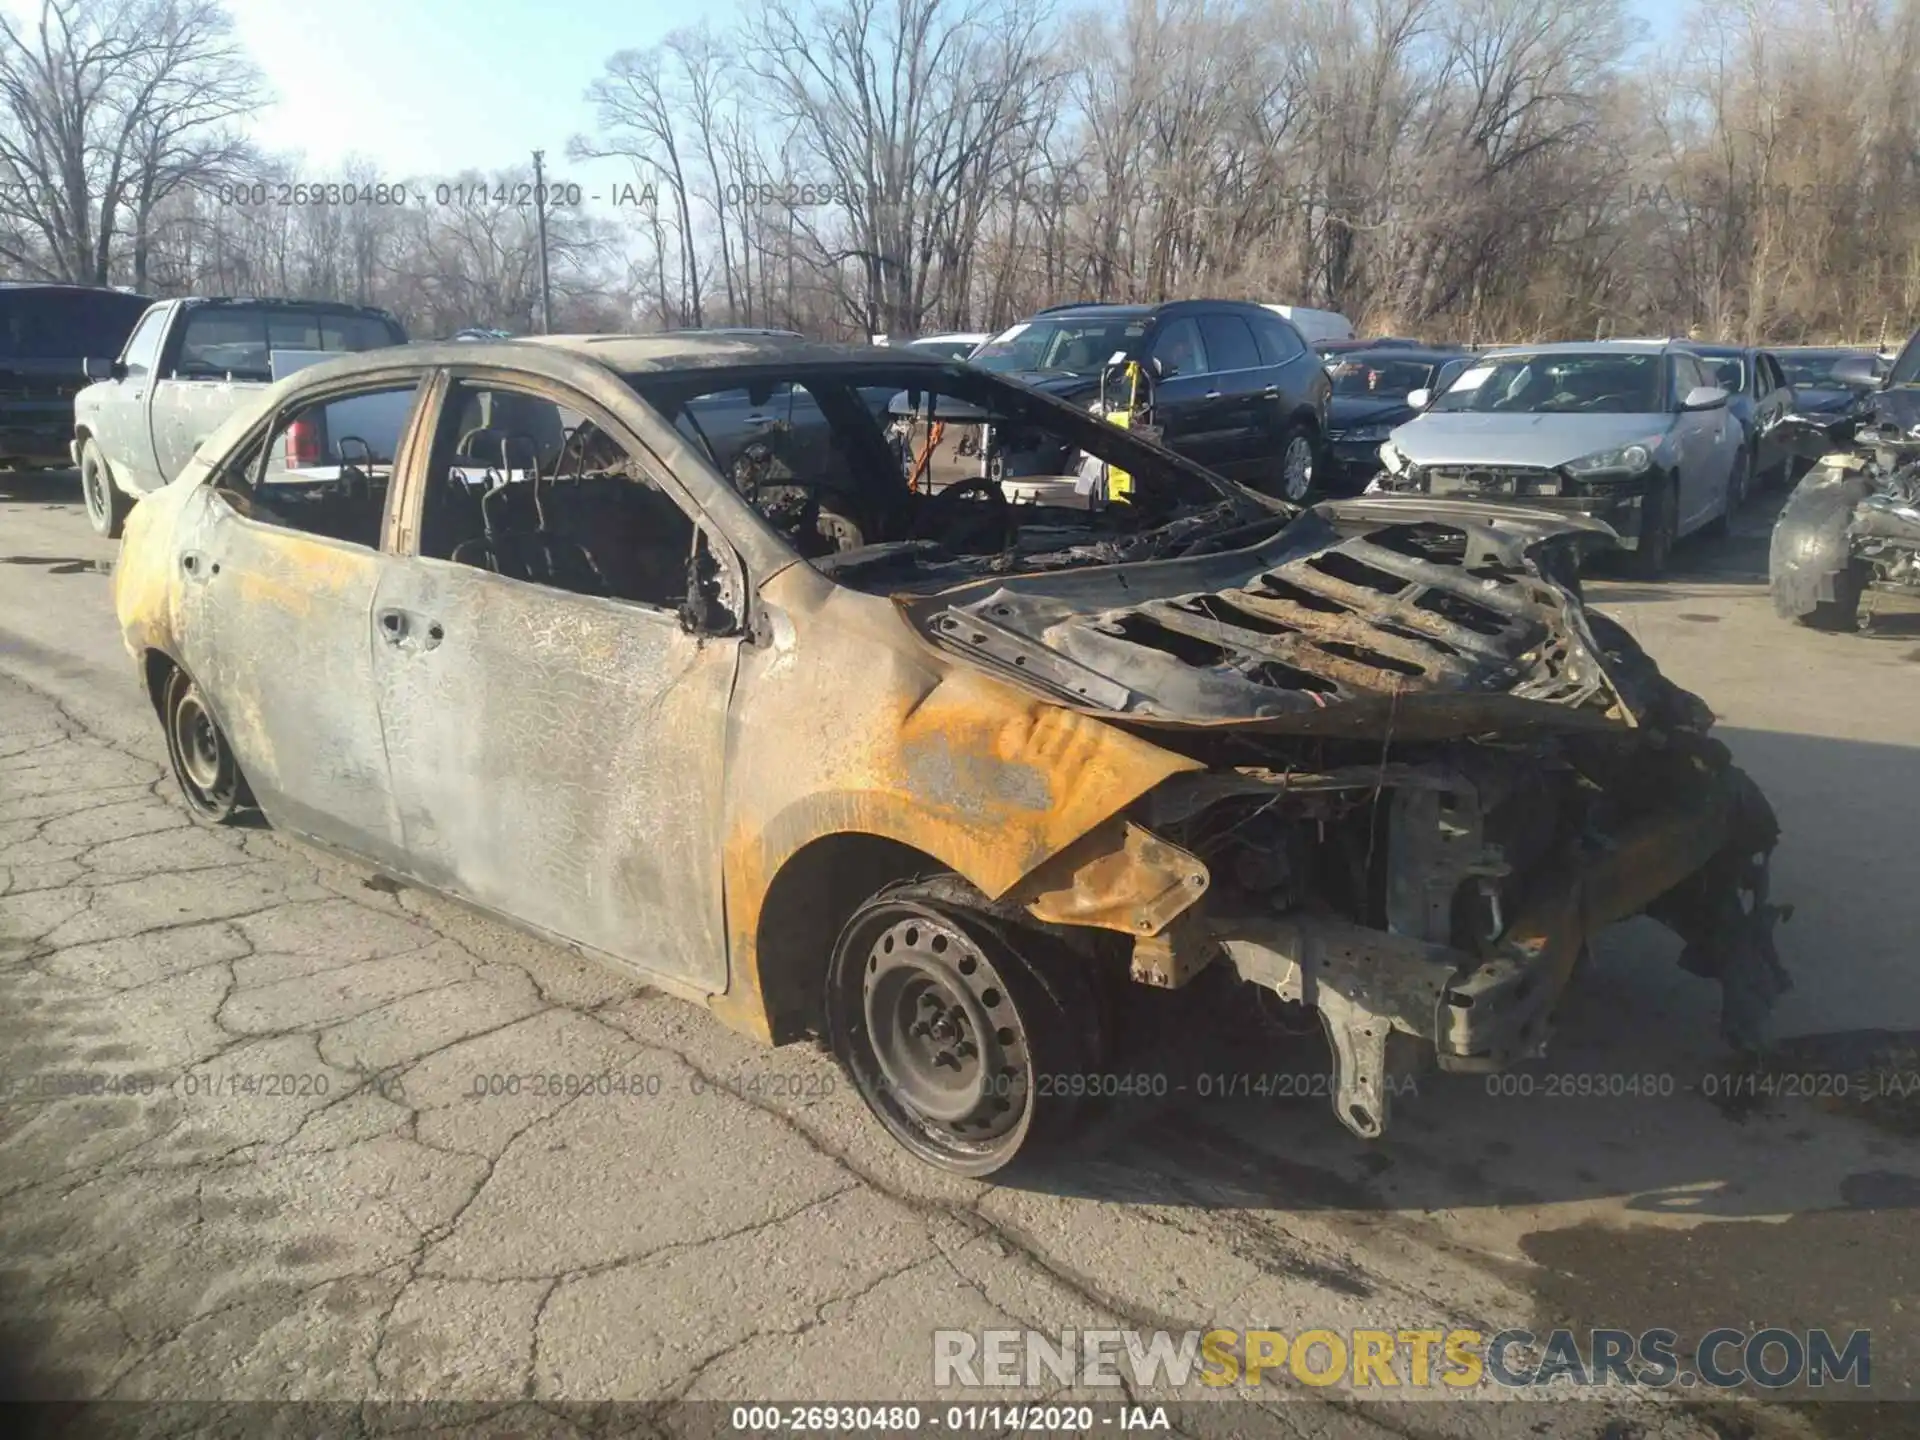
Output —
<point x="1661" y="439"/>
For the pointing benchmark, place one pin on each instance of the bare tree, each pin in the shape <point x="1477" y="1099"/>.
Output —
<point x="109" y="106"/>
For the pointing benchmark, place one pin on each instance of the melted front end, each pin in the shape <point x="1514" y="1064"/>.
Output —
<point x="1430" y="777"/>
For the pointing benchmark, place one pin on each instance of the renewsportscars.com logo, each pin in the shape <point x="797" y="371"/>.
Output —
<point x="1403" y="1359"/>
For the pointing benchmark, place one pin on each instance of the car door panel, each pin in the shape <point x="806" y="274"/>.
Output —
<point x="1238" y="393"/>
<point x="280" y="644"/>
<point x="1190" y="408"/>
<point x="555" y="758"/>
<point x="121" y="420"/>
<point x="1776" y="403"/>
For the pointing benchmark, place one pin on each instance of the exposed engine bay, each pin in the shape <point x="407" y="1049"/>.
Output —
<point x="1431" y="775"/>
<point x="1852" y="526"/>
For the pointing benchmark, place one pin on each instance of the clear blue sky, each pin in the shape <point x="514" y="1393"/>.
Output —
<point x="428" y="88"/>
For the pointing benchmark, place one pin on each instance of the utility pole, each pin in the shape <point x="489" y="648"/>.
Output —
<point x="540" y="218"/>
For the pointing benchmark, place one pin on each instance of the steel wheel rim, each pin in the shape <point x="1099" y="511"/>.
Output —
<point x="951" y="1053"/>
<point x="90" y="487"/>
<point x="200" y="753"/>
<point x="1296" y="468"/>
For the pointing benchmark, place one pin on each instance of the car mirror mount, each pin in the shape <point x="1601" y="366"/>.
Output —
<point x="1704" y="397"/>
<point x="101" y="367"/>
<point x="1419" y="399"/>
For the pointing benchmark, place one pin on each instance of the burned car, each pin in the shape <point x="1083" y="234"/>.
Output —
<point x="931" y="775"/>
<point x="1852" y="525"/>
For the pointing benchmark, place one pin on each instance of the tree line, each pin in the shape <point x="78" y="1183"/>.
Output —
<point x="1465" y="169"/>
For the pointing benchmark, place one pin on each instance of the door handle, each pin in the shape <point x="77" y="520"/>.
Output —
<point x="1213" y="394"/>
<point x="1272" y="392"/>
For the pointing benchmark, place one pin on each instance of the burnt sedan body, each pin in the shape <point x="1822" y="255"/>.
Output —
<point x="938" y="775"/>
<point x="1851" y="527"/>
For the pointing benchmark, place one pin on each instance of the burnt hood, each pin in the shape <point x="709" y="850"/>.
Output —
<point x="1415" y="616"/>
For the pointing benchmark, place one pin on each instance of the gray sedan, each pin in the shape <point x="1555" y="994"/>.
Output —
<point x="1632" y="433"/>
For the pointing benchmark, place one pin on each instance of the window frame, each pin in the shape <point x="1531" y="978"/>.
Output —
<point x="176" y="341"/>
<point x="157" y="316"/>
<point x="1165" y="328"/>
<point x="1228" y="317"/>
<point x="423" y="378"/>
<point x="407" y="498"/>
<point x="1282" y="329"/>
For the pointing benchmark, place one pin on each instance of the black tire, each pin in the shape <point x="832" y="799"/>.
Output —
<point x="1842" y="613"/>
<point x="203" y="764"/>
<point x="1659" y="519"/>
<point x="1741" y="481"/>
<point x="1295" y="479"/>
<point x="946" y="1016"/>
<point x="107" y="505"/>
<point x="1744" y="482"/>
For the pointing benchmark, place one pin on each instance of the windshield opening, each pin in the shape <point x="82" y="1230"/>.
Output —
<point x="1064" y="346"/>
<point x="1559" y="384"/>
<point x="896" y="477"/>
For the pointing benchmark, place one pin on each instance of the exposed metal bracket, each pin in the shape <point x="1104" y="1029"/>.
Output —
<point x="1365" y="984"/>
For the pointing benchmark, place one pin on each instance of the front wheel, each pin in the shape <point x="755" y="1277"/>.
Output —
<point x="203" y="764"/>
<point x="107" y="505"/>
<point x="1659" y="519"/>
<point x="955" y="1027"/>
<point x="1744" y="480"/>
<point x="1741" y="481"/>
<point x="1842" y="613"/>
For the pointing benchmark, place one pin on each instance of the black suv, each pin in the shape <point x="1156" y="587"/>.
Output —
<point x="46" y="333"/>
<point x="1229" y="384"/>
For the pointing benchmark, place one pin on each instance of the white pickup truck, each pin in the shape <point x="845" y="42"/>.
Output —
<point x="187" y="366"/>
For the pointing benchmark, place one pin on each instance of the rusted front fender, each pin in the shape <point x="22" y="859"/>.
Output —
<point x="845" y="724"/>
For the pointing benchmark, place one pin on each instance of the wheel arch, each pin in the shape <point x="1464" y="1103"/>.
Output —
<point x="156" y="668"/>
<point x="805" y="906"/>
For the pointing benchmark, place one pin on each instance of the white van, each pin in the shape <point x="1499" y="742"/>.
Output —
<point x="1316" y="325"/>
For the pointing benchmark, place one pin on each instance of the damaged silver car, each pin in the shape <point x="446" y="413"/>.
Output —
<point x="848" y="729"/>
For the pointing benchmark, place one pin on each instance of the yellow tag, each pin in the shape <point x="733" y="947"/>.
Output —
<point x="1119" y="482"/>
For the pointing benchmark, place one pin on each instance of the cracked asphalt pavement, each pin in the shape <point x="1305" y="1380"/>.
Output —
<point x="335" y="1153"/>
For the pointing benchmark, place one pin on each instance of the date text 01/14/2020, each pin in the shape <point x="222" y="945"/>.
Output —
<point x="471" y="195"/>
<point x="955" y="1419"/>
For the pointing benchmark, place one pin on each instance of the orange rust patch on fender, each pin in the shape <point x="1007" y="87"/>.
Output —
<point x="987" y="780"/>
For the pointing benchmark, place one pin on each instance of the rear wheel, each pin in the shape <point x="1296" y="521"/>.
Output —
<point x="959" y="1028"/>
<point x="1296" y="465"/>
<point x="107" y="506"/>
<point x="203" y="764"/>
